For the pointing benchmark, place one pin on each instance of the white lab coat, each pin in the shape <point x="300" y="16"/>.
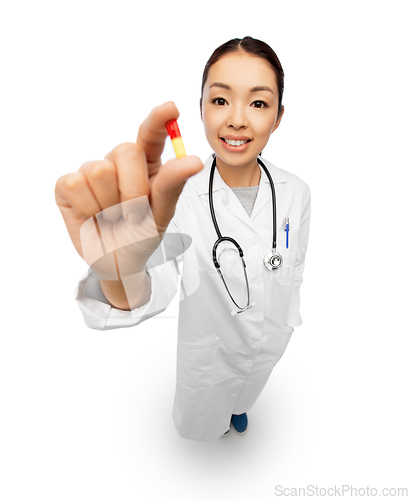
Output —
<point x="224" y="361"/>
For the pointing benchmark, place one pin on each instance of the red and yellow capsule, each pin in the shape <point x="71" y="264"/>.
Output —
<point x="174" y="132"/>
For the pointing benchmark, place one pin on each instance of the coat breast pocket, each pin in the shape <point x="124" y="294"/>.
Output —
<point x="196" y="362"/>
<point x="285" y="273"/>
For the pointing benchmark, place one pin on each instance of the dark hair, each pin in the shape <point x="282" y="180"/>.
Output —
<point x="251" y="46"/>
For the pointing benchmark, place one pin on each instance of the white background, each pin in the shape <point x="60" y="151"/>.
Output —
<point x="87" y="414"/>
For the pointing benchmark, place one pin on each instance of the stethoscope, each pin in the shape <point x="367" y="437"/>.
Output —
<point x="272" y="260"/>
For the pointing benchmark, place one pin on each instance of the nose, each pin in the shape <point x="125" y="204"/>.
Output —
<point x="237" y="117"/>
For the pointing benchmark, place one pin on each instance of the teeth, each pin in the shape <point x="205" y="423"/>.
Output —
<point x="235" y="143"/>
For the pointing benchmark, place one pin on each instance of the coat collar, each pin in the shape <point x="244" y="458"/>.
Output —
<point x="229" y="198"/>
<point x="202" y="178"/>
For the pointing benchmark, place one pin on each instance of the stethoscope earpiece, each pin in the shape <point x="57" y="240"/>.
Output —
<point x="272" y="260"/>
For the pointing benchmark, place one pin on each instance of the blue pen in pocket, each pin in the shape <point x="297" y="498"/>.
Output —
<point x="287" y="229"/>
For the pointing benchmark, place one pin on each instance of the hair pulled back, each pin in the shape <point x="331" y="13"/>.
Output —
<point x="251" y="46"/>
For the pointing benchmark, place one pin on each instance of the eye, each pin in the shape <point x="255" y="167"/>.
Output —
<point x="260" y="104"/>
<point x="219" y="101"/>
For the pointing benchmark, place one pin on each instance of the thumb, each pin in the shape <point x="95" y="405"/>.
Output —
<point x="167" y="186"/>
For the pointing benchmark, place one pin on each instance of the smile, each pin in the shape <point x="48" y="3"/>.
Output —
<point x="236" y="145"/>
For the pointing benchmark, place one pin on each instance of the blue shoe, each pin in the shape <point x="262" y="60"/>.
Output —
<point x="226" y="433"/>
<point x="240" y="423"/>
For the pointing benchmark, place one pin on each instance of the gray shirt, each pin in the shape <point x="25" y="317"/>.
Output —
<point x="247" y="197"/>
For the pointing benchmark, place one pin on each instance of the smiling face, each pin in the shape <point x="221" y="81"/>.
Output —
<point x="239" y="110"/>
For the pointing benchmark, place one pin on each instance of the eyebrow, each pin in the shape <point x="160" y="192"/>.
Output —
<point x="259" y="88"/>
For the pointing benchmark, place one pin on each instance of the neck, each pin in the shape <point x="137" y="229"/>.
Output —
<point x="239" y="176"/>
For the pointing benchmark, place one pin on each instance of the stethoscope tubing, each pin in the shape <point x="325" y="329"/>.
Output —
<point x="273" y="202"/>
<point x="232" y="240"/>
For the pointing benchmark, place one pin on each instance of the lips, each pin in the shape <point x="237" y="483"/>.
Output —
<point x="236" y="138"/>
<point x="235" y="145"/>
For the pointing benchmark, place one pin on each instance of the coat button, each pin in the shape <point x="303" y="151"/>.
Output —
<point x="257" y="316"/>
<point x="249" y="362"/>
<point x="258" y="281"/>
<point x="256" y="345"/>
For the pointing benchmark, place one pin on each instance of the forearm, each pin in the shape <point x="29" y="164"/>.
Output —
<point x="138" y="291"/>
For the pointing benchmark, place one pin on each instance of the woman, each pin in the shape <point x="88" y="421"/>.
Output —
<point x="227" y="345"/>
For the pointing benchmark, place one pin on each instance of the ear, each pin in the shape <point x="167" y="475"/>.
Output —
<point x="277" y="123"/>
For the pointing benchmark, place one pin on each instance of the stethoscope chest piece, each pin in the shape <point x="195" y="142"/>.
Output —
<point x="273" y="260"/>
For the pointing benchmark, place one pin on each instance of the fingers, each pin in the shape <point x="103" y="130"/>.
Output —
<point x="101" y="178"/>
<point x="76" y="202"/>
<point x="126" y="182"/>
<point x="103" y="185"/>
<point x="123" y="174"/>
<point x="73" y="191"/>
<point x="152" y="133"/>
<point x="132" y="178"/>
<point x="167" y="186"/>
